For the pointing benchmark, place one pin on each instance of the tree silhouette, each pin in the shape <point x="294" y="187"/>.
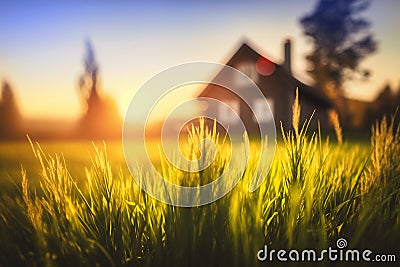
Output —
<point x="341" y="40"/>
<point x="385" y="104"/>
<point x="10" y="118"/>
<point x="101" y="117"/>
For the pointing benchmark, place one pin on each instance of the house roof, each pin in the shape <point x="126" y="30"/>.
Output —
<point x="246" y="51"/>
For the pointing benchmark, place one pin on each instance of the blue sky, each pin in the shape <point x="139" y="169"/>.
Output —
<point x="42" y="44"/>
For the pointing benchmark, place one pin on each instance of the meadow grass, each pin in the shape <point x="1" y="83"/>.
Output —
<point x="315" y="192"/>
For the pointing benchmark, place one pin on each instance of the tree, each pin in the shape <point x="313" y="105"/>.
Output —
<point x="386" y="102"/>
<point x="88" y="85"/>
<point x="101" y="117"/>
<point x="10" y="118"/>
<point x="341" y="40"/>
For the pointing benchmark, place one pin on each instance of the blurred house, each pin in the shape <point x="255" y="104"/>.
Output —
<point x="278" y="85"/>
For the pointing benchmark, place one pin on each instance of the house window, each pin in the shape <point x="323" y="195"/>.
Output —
<point x="261" y="110"/>
<point x="249" y="69"/>
<point x="227" y="112"/>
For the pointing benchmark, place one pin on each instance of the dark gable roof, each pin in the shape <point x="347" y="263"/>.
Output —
<point x="245" y="51"/>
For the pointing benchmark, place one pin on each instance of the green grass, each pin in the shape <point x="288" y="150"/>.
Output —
<point x="82" y="207"/>
<point x="18" y="154"/>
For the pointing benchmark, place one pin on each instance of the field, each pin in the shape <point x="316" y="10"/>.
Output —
<point x="76" y="204"/>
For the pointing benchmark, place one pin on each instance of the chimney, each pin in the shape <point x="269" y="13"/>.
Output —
<point x="287" y="59"/>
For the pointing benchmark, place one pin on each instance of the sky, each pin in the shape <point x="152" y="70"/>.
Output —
<point x="42" y="44"/>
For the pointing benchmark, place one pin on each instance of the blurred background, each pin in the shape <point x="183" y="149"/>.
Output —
<point x="70" y="68"/>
